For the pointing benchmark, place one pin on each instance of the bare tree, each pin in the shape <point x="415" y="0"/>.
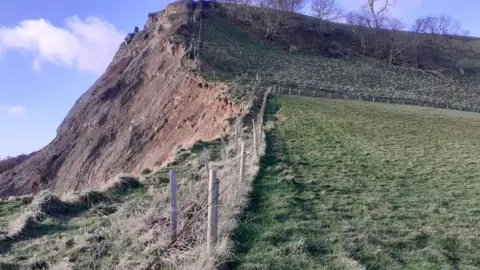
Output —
<point x="327" y="10"/>
<point x="275" y="11"/>
<point x="441" y="34"/>
<point x="378" y="11"/>
<point x="416" y="39"/>
<point x="394" y="43"/>
<point x="271" y="18"/>
<point x="455" y="49"/>
<point x="360" y="23"/>
<point x="283" y="5"/>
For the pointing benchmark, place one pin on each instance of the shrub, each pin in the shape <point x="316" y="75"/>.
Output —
<point x="146" y="171"/>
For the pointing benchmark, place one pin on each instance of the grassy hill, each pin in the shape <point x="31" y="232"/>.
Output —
<point x="235" y="55"/>
<point x="354" y="185"/>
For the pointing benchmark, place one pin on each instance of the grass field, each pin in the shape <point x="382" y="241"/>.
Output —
<point x="352" y="185"/>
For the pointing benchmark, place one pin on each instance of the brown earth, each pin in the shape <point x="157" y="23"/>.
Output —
<point x="145" y="105"/>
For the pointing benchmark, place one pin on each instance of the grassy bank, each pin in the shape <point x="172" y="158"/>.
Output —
<point x="351" y="185"/>
<point x="232" y="53"/>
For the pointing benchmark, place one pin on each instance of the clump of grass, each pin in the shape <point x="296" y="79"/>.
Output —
<point x="44" y="204"/>
<point x="47" y="204"/>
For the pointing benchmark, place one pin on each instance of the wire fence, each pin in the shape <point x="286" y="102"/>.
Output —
<point x="229" y="181"/>
<point x="321" y="93"/>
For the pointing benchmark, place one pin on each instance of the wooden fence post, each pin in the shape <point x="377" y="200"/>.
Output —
<point x="289" y="91"/>
<point x="344" y="96"/>
<point x="205" y="154"/>
<point x="212" y="217"/>
<point x="329" y="95"/>
<point x="242" y="162"/>
<point x="237" y="127"/>
<point x="254" y="138"/>
<point x="259" y="124"/>
<point x="314" y="93"/>
<point x="373" y="99"/>
<point x="173" y="205"/>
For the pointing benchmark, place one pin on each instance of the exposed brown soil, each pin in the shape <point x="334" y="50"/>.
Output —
<point x="145" y="105"/>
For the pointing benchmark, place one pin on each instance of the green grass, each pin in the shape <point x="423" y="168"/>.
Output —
<point x="347" y="184"/>
<point x="231" y="52"/>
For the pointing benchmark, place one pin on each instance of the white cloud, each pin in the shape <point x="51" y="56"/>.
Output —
<point x="14" y="110"/>
<point x="87" y="45"/>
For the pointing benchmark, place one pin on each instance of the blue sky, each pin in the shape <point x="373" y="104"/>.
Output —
<point x="51" y="51"/>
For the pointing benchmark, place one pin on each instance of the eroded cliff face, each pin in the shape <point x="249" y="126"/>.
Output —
<point x="145" y="105"/>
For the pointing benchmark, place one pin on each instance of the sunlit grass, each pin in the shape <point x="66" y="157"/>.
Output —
<point x="374" y="186"/>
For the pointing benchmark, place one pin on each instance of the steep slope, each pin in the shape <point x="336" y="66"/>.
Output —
<point x="145" y="105"/>
<point x="234" y="49"/>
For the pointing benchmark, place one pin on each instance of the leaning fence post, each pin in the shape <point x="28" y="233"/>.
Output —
<point x="205" y="154"/>
<point x="173" y="205"/>
<point x="242" y="162"/>
<point x="212" y="218"/>
<point x="254" y="138"/>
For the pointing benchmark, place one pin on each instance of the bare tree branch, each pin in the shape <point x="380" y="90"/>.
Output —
<point x="327" y="10"/>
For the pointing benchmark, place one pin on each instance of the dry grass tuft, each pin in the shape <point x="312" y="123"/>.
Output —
<point x="48" y="204"/>
<point x="44" y="204"/>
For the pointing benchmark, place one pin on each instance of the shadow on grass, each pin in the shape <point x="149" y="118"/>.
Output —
<point x="281" y="218"/>
<point x="38" y="231"/>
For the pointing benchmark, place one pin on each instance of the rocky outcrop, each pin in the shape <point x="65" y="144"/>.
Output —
<point x="145" y="105"/>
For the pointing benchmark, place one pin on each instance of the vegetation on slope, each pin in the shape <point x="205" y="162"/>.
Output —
<point x="53" y="231"/>
<point x="233" y="56"/>
<point x="352" y="185"/>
